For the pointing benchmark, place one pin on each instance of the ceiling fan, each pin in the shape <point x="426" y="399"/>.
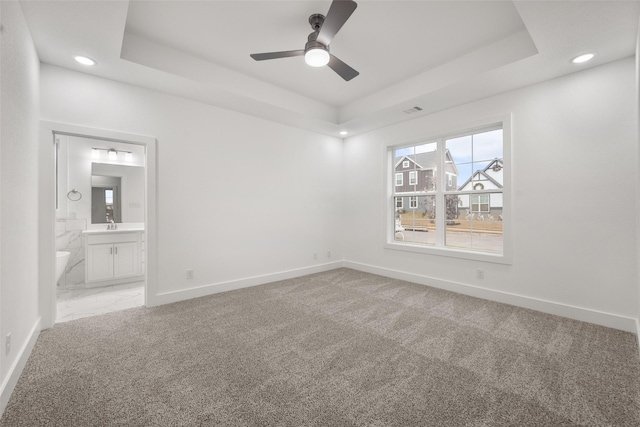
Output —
<point x="316" y="50"/>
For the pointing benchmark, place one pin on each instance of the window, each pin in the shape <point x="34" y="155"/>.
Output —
<point x="399" y="203"/>
<point x="413" y="177"/>
<point x="480" y="203"/>
<point x="399" y="180"/>
<point x="405" y="164"/>
<point x="452" y="212"/>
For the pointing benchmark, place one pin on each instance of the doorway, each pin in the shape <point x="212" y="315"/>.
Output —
<point x="80" y="159"/>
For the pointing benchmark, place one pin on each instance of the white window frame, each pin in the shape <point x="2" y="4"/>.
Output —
<point x="399" y="183"/>
<point x="440" y="249"/>
<point x="413" y="177"/>
<point x="413" y="202"/>
<point x="401" y="206"/>
<point x="405" y="164"/>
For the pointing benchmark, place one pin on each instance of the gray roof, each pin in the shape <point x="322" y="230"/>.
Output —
<point x="425" y="160"/>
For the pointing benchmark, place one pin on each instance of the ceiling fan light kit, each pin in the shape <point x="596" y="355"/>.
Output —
<point x="316" y="51"/>
<point x="316" y="57"/>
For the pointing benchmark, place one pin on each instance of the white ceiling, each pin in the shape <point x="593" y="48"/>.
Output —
<point x="435" y="54"/>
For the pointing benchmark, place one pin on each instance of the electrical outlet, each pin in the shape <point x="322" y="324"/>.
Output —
<point x="189" y="274"/>
<point x="328" y="254"/>
<point x="479" y="274"/>
<point x="7" y="344"/>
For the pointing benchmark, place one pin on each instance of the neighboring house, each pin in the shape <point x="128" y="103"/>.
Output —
<point x="486" y="205"/>
<point x="416" y="173"/>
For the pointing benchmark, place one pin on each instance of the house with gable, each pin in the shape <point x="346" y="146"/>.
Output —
<point x="486" y="205"/>
<point x="417" y="173"/>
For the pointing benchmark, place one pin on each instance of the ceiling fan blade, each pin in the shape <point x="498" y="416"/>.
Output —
<point x="342" y="69"/>
<point x="339" y="12"/>
<point x="276" y="55"/>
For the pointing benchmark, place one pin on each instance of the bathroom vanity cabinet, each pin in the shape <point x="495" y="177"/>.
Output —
<point x="114" y="255"/>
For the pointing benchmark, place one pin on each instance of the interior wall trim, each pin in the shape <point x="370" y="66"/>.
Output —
<point x="637" y="331"/>
<point x="18" y="365"/>
<point x="214" y="288"/>
<point x="610" y="320"/>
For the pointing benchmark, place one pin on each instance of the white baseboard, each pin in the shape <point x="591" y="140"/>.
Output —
<point x="627" y="324"/>
<point x="18" y="365"/>
<point x="610" y="320"/>
<point x="638" y="335"/>
<point x="214" y="288"/>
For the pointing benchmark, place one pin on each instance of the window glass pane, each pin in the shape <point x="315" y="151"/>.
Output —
<point x="108" y="197"/>
<point x="487" y="145"/>
<point x="414" y="168"/>
<point x="416" y="225"/>
<point x="429" y="181"/>
<point x="477" y="158"/>
<point x="478" y="231"/>
<point x="459" y="158"/>
<point x="400" y="152"/>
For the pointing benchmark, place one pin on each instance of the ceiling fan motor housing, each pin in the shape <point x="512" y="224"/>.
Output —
<point x="316" y="20"/>
<point x="313" y="44"/>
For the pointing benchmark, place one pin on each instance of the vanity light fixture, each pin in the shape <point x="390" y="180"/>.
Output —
<point x="583" y="58"/>
<point x="112" y="154"/>
<point x="84" y="60"/>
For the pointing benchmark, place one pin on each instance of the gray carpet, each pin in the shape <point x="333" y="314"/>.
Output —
<point x="341" y="348"/>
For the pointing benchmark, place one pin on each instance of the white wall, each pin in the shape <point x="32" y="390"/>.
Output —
<point x="574" y="150"/>
<point x="19" y="97"/>
<point x="238" y="196"/>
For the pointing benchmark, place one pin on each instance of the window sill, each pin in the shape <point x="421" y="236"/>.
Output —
<point x="448" y="252"/>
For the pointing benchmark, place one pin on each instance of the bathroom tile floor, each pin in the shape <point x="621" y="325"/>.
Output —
<point x="79" y="303"/>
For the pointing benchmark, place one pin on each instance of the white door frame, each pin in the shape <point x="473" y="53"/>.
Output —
<point x="47" y="220"/>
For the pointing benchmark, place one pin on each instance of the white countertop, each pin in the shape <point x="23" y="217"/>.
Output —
<point x="118" y="230"/>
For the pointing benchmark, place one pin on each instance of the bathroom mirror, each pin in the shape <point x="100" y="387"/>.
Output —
<point x="117" y="193"/>
<point x="105" y="199"/>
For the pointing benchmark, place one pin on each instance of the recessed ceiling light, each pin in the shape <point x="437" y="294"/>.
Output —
<point x="84" y="60"/>
<point x="582" y="58"/>
<point x="344" y="133"/>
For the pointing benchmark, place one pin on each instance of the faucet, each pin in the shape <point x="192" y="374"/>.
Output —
<point x="112" y="226"/>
